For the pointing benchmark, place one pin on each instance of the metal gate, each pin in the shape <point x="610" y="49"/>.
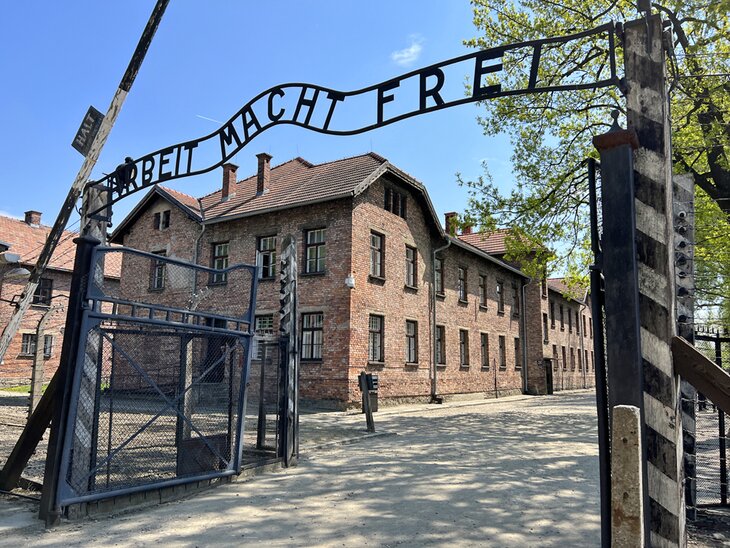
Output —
<point x="711" y="431"/>
<point x="158" y="395"/>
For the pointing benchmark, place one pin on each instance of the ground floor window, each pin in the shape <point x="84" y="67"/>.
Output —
<point x="463" y="347"/>
<point x="411" y="341"/>
<point x="376" y="352"/>
<point x="312" y="336"/>
<point x="440" y="345"/>
<point x="502" y="352"/>
<point x="518" y="354"/>
<point x="28" y="345"/>
<point x="485" y="350"/>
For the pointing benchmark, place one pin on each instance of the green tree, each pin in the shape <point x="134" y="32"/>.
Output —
<point x="551" y="132"/>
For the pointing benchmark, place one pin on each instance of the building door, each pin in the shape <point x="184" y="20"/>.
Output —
<point x="548" y="364"/>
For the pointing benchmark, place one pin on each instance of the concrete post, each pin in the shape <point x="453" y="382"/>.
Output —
<point x="627" y="497"/>
<point x="648" y="116"/>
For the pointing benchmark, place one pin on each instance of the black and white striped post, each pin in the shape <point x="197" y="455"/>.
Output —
<point x="288" y="355"/>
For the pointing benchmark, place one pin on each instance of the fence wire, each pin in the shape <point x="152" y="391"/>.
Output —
<point x="711" y="434"/>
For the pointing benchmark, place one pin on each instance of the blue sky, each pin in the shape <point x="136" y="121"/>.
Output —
<point x="206" y="61"/>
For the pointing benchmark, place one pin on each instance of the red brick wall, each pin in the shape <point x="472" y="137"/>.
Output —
<point x="16" y="368"/>
<point x="346" y="311"/>
<point x="396" y="303"/>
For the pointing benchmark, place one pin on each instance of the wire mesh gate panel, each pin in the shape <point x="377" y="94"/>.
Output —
<point x="160" y="385"/>
<point x="711" y="433"/>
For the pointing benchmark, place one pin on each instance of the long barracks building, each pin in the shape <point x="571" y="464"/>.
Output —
<point x="383" y="287"/>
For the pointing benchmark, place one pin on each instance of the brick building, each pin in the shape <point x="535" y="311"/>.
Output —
<point x="26" y="238"/>
<point x="382" y="286"/>
<point x="560" y="328"/>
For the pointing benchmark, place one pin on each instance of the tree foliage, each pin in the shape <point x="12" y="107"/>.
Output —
<point x="551" y="132"/>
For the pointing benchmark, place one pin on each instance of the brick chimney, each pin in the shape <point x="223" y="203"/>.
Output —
<point x="229" y="181"/>
<point x="264" y="173"/>
<point x="467" y="229"/>
<point x="33" y="218"/>
<point x="450" y="222"/>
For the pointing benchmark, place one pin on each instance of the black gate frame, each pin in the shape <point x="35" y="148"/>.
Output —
<point x="85" y="313"/>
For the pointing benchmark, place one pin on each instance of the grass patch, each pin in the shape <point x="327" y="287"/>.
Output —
<point x="23" y="389"/>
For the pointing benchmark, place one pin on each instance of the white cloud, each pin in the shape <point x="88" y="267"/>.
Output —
<point x="406" y="57"/>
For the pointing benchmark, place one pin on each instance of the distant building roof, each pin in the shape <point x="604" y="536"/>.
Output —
<point x="298" y="183"/>
<point x="559" y="286"/>
<point x="27" y="241"/>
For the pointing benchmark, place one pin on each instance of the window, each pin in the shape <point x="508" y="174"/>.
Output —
<point x="395" y="202"/>
<point x="28" y="345"/>
<point x="157" y="276"/>
<point x="411" y="341"/>
<point x="593" y="363"/>
<point x="312" y="336"/>
<point x="377" y="255"/>
<point x="518" y="354"/>
<point x="47" y="346"/>
<point x="586" y="359"/>
<point x="590" y="325"/>
<point x="162" y="220"/>
<point x="376" y="352"/>
<point x="565" y="361"/>
<point x="502" y="352"/>
<point x="500" y="297"/>
<point x="463" y="348"/>
<point x="552" y="314"/>
<point x="577" y="322"/>
<point x="44" y="292"/>
<point x="440" y="345"/>
<point x="315" y="250"/>
<point x="411" y="267"/>
<point x="484" y="347"/>
<point x="584" y="326"/>
<point x="483" y="291"/>
<point x="572" y="359"/>
<point x="515" y="300"/>
<point x="266" y="257"/>
<point x="219" y="261"/>
<point x="555" y="357"/>
<point x="438" y="266"/>
<point x="462" y="284"/>
<point x="580" y="361"/>
<point x="543" y="287"/>
<point x="545" y="332"/>
<point x="570" y="321"/>
<point x="562" y="318"/>
<point x="263" y="327"/>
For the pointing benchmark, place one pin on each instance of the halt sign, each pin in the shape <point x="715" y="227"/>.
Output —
<point x="88" y="130"/>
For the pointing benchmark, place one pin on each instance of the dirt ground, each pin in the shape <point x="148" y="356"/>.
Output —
<point x="519" y="471"/>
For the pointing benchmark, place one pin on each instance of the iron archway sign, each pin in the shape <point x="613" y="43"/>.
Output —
<point x="330" y="111"/>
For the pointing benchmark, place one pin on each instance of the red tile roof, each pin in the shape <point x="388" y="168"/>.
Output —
<point x="27" y="241"/>
<point x="492" y="243"/>
<point x="294" y="183"/>
<point x="558" y="285"/>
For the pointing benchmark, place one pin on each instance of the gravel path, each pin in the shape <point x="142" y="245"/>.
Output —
<point x="513" y="472"/>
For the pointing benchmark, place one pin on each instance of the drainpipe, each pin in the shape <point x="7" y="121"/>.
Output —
<point x="523" y="337"/>
<point x="434" y="391"/>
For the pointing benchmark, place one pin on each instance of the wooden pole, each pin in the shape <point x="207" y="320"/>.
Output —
<point x="26" y="297"/>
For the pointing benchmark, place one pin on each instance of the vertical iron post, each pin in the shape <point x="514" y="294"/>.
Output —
<point x="722" y="431"/>
<point x="604" y="443"/>
<point x="85" y="246"/>
<point x="621" y="281"/>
